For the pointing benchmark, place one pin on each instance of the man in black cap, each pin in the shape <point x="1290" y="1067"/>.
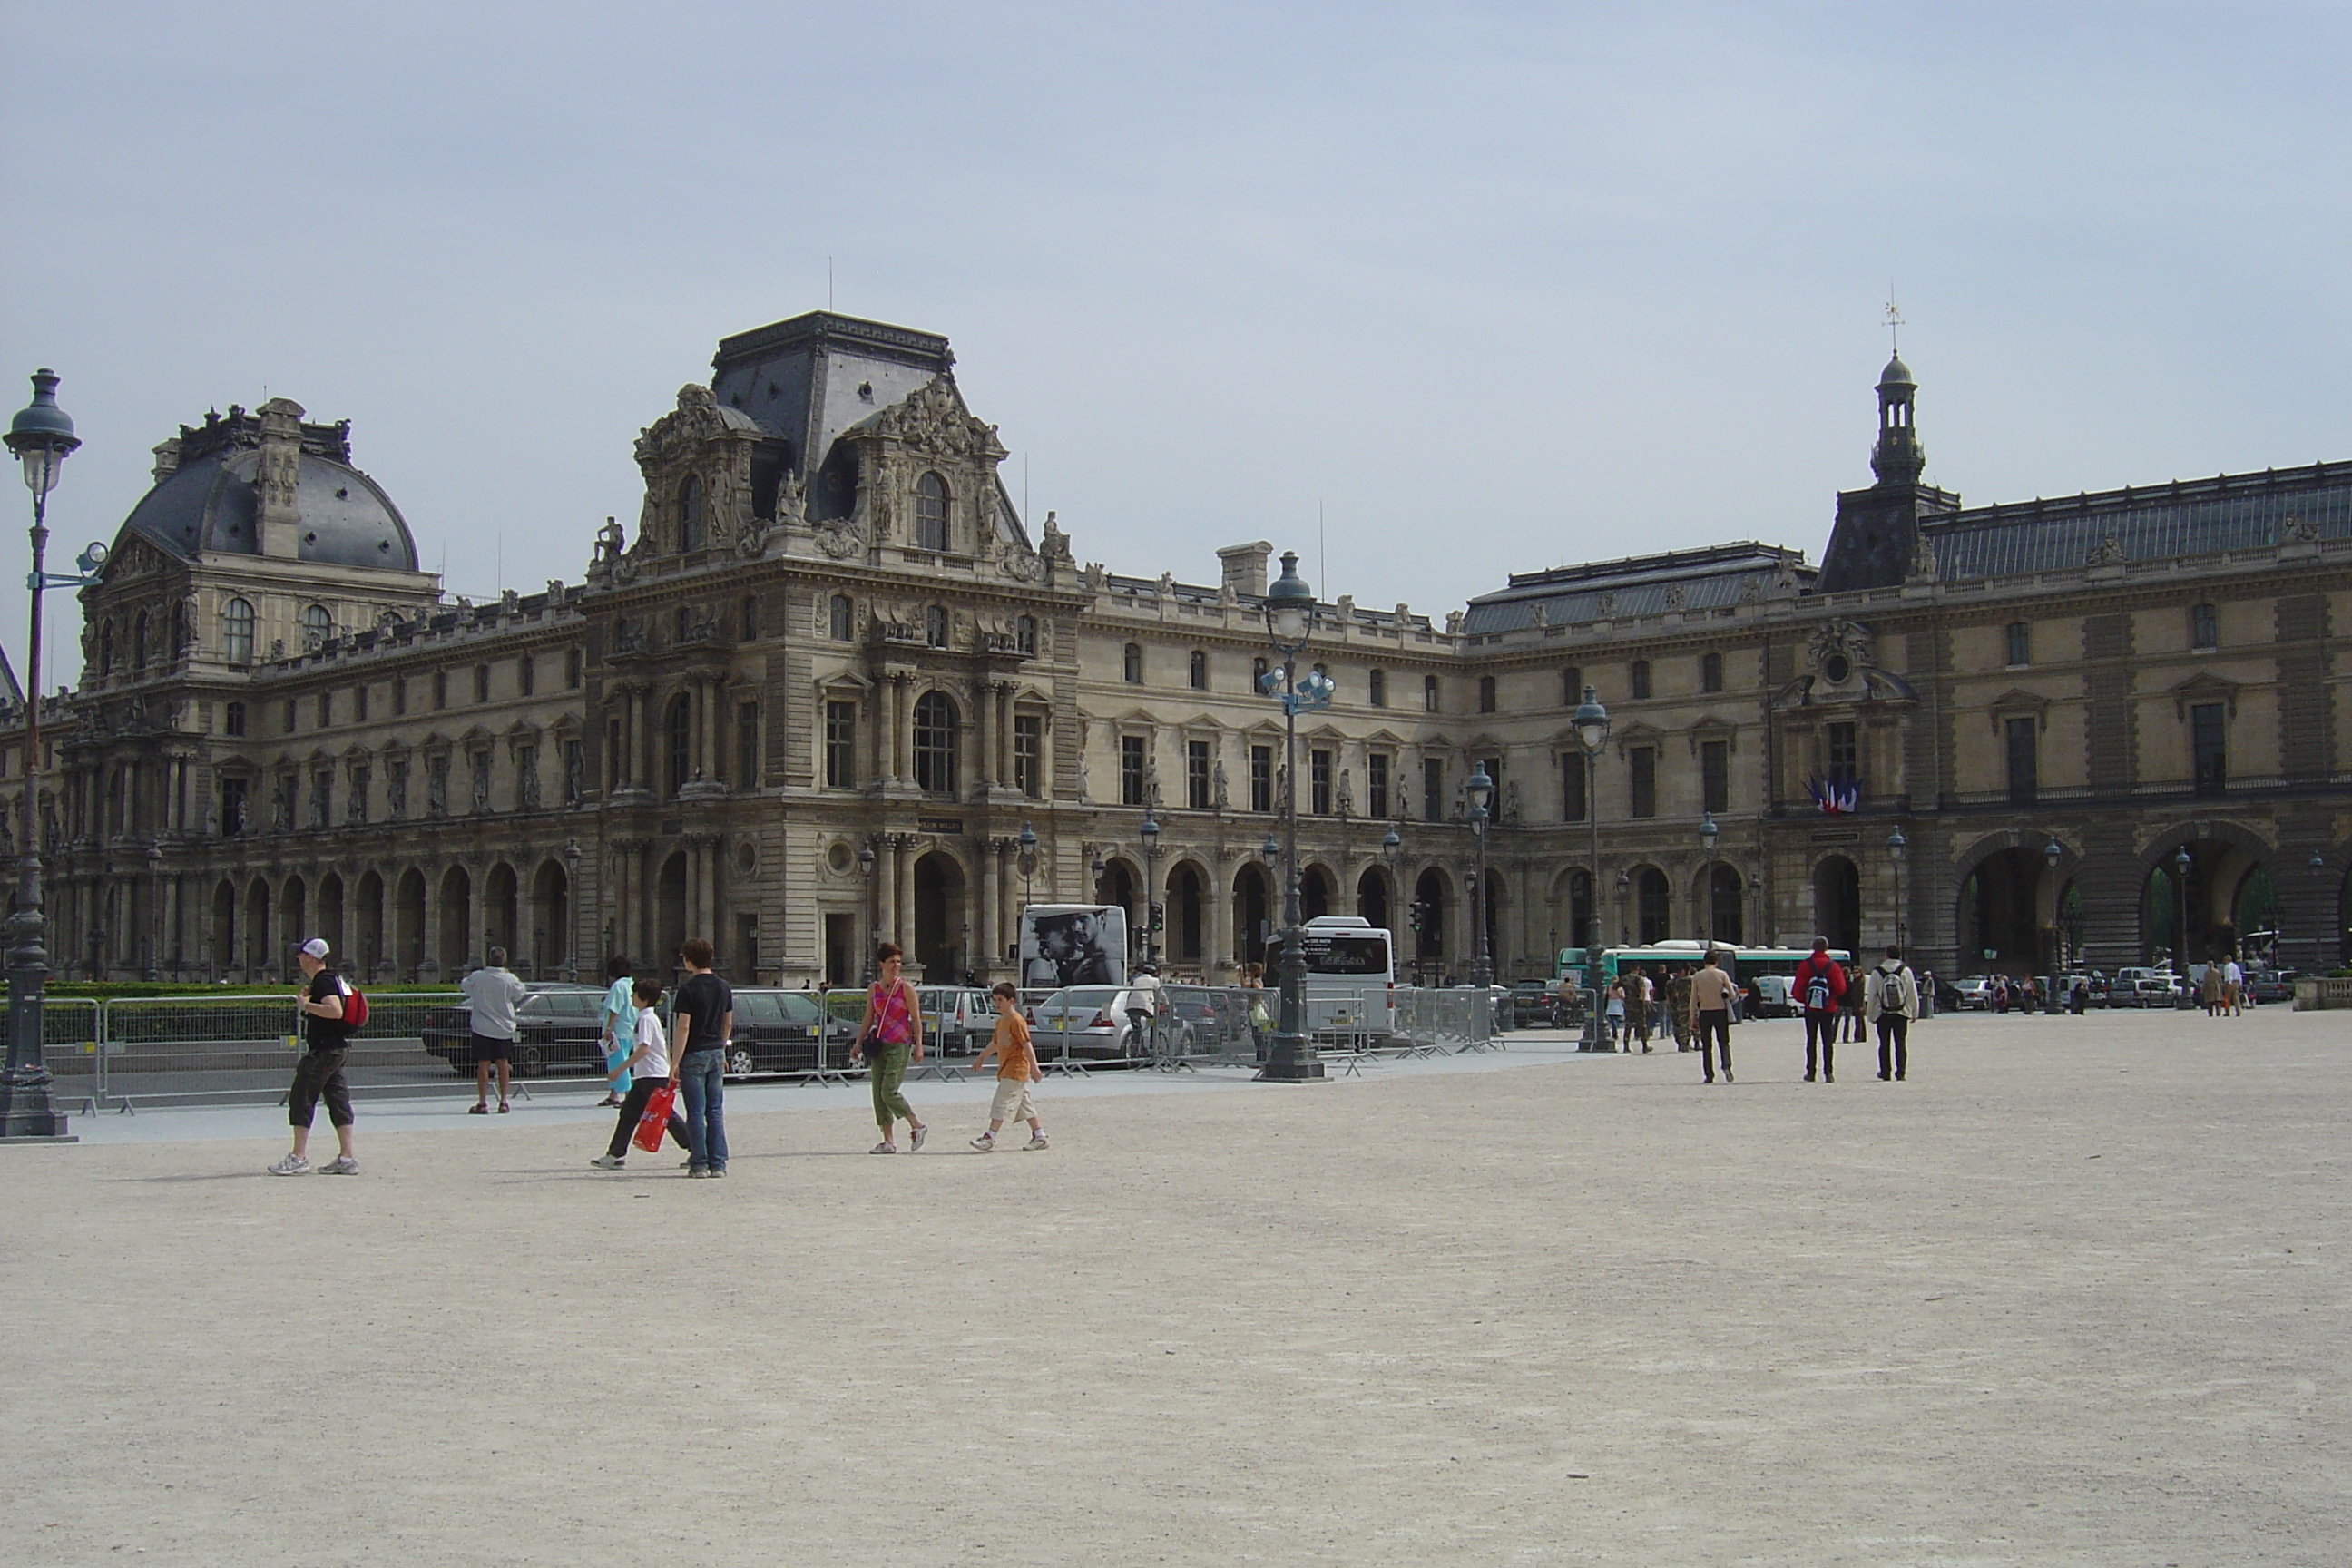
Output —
<point x="320" y="1073"/>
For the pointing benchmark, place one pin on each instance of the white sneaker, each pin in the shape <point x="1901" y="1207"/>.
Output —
<point x="985" y="1143"/>
<point x="340" y="1165"/>
<point x="608" y="1162"/>
<point x="292" y="1165"/>
<point x="1035" y="1142"/>
<point x="884" y="1149"/>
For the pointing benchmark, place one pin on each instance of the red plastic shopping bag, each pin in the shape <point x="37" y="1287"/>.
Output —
<point x="654" y="1123"/>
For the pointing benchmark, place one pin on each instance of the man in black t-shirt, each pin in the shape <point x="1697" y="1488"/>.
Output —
<point x="320" y="1073"/>
<point x="705" y="1021"/>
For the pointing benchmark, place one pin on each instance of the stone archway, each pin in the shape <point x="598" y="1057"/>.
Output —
<point x="1375" y="898"/>
<point x="550" y="922"/>
<point x="1317" y="893"/>
<point x="1432" y="891"/>
<point x="1837" y="902"/>
<point x="367" y="924"/>
<point x="1253" y="911"/>
<point x="408" y="924"/>
<point x="1188" y="903"/>
<point x="456" y="913"/>
<point x="498" y="899"/>
<point x="669" y="911"/>
<point x="943" y="937"/>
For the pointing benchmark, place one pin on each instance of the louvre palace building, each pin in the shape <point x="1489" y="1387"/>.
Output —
<point x="817" y="690"/>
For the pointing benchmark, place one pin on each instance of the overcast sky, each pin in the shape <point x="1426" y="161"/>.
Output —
<point x="1487" y="286"/>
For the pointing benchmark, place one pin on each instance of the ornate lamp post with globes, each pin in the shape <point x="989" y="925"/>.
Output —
<point x="1480" y="789"/>
<point x="41" y="437"/>
<point x="1897" y="848"/>
<point x="1289" y="616"/>
<point x="1590" y="723"/>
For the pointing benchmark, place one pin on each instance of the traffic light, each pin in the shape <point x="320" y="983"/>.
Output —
<point x="1159" y="917"/>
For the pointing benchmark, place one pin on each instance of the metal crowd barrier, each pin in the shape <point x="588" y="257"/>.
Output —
<point x="1435" y="1022"/>
<point x="215" y="1047"/>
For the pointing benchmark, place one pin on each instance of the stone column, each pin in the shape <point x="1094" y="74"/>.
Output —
<point x="906" y="895"/>
<point x="902" y="728"/>
<point x="984" y="746"/>
<point x="982" y="960"/>
<point x="1004" y="732"/>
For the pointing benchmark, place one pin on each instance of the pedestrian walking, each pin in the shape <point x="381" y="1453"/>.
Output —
<point x="645" y="1066"/>
<point x="327" y="1037"/>
<point x="1614" y="1018"/>
<point x="619" y="1017"/>
<point x="1261" y="1021"/>
<point x="491" y="993"/>
<point x="1016" y="1069"/>
<point x="1850" y="1018"/>
<point x="2234" y="987"/>
<point x="1712" y="993"/>
<point x="1892" y="998"/>
<point x="2210" y="987"/>
<point x="1638" y="995"/>
<point x="705" y="1014"/>
<point x="1678" y="1004"/>
<point x="890" y="1037"/>
<point x="1927" y="993"/>
<point x="1819" y="984"/>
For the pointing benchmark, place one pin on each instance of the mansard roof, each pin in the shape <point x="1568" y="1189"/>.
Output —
<point x="207" y="503"/>
<point x="2195" y="516"/>
<point x="1715" y="577"/>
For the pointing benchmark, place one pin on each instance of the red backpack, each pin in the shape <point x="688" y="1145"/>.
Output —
<point x="354" y="1007"/>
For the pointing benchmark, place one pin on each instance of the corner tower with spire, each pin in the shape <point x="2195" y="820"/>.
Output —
<point x="1876" y="536"/>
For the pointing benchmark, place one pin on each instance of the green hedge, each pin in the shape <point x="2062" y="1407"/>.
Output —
<point x="234" y="988"/>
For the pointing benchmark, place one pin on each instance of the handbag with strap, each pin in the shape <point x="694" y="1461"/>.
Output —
<point x="653" y="1125"/>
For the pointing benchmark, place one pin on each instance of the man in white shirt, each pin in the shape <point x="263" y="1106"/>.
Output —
<point x="2233" y="988"/>
<point x="491" y="993"/>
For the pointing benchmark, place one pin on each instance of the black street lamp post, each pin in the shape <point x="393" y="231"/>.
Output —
<point x="1624" y="888"/>
<point x="1897" y="848"/>
<point x="1590" y="723"/>
<point x="1481" y="789"/>
<point x="2319" y="957"/>
<point x="867" y="861"/>
<point x="1150" y="833"/>
<point x="41" y="437"/>
<point x="1393" y="857"/>
<point x="1027" y="845"/>
<point x="572" y="856"/>
<point x="1289" y="616"/>
<point x="2181" y="960"/>
<point x="1709" y="835"/>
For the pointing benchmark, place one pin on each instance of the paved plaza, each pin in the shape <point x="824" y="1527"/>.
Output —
<point x="2076" y="1293"/>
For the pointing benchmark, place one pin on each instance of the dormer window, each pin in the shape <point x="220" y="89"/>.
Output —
<point x="930" y="512"/>
<point x="236" y="631"/>
<point x="690" y="514"/>
<point x="318" y="625"/>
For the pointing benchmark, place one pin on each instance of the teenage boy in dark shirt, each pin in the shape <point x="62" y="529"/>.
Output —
<point x="320" y="1073"/>
<point x="705" y="1021"/>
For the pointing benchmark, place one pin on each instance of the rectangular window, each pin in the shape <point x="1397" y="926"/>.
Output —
<point x="841" y="745"/>
<point x="440" y="688"/>
<point x="1429" y="694"/>
<point x="359" y="704"/>
<point x="2019" y="641"/>
<point x="1433" y="789"/>
<point x="481" y="683"/>
<point x="322" y="790"/>
<point x="1261" y="778"/>
<point x="232" y="821"/>
<point x="1844" y="751"/>
<point x="1376" y="784"/>
<point x="526" y="778"/>
<point x="2024" y="762"/>
<point x="1571" y="685"/>
<point x="356" y="808"/>
<point x="233" y="719"/>
<point x="2208" y="736"/>
<point x="399" y="696"/>
<point x="326" y="710"/>
<point x="1642" y="777"/>
<point x="571" y="668"/>
<point x="1573" y="804"/>
<point x="747" y="745"/>
<point x="528" y="669"/>
<point x="1376" y="688"/>
<point x="1196" y="774"/>
<point x="2204" y="627"/>
<point x="1319" y="775"/>
<point x="1710" y="672"/>
<point x="1130" y="769"/>
<point x="290" y="716"/>
<point x="396" y="791"/>
<point x="1029" y="754"/>
<point x="1714" y="776"/>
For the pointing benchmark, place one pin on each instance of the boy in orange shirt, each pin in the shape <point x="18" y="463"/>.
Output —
<point x="1016" y="1069"/>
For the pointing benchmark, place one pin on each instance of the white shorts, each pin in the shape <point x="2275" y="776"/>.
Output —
<point x="1012" y="1103"/>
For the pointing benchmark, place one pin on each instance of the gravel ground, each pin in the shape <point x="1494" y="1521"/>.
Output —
<point x="2075" y="1294"/>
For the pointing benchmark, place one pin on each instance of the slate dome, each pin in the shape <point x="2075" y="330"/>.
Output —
<point x="208" y="504"/>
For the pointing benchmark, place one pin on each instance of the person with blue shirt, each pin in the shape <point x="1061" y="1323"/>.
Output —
<point x="619" y="1032"/>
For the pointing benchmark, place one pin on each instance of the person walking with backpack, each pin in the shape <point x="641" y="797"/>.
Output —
<point x="332" y="1011"/>
<point x="1891" y="998"/>
<point x="891" y="1035"/>
<point x="1818" y="984"/>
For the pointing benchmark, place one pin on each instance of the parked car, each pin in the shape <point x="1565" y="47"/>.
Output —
<point x="2149" y="991"/>
<point x="957" y="1019"/>
<point x="778" y="1031"/>
<point x="2270" y="986"/>
<point x="1088" y="1021"/>
<point x="1973" y="995"/>
<point x="558" y="1030"/>
<point x="1533" y="1005"/>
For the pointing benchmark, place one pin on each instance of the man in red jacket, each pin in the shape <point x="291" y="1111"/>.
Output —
<point x="1818" y="984"/>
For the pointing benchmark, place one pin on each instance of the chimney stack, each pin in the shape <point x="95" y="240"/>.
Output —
<point x="280" y="526"/>
<point x="1245" y="568"/>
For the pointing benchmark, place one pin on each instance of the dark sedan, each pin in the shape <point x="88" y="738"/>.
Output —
<point x="557" y="1031"/>
<point x="778" y="1031"/>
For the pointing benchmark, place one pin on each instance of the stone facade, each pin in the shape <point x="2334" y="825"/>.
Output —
<point x="820" y="693"/>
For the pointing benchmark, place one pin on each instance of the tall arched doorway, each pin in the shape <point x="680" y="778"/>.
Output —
<point x="367" y="924"/>
<point x="221" y="952"/>
<point x="408" y="924"/>
<point x="1654" y="917"/>
<point x="255" y="960"/>
<point x="498" y="925"/>
<point x="1116" y="884"/>
<point x="1434" y="895"/>
<point x="1251" y="908"/>
<point x="941" y="936"/>
<point x="330" y="921"/>
<point x="2228" y="880"/>
<point x="1837" y="902"/>
<point x="1726" y="919"/>
<point x="1187" y="898"/>
<point x="1373" y="897"/>
<point x="457" y="922"/>
<point x="1316" y="896"/>
<point x="294" y="911"/>
<point x="551" y="920"/>
<point x="669" y="912"/>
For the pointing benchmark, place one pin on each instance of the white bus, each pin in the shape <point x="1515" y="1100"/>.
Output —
<point x="1351" y="970"/>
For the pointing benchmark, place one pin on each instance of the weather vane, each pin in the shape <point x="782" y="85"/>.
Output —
<point x="1894" y="323"/>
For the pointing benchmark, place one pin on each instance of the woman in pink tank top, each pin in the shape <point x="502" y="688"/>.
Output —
<point x="891" y="1035"/>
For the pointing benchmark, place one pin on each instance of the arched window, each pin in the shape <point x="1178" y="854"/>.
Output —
<point x="841" y="617"/>
<point x="1024" y="634"/>
<point x="1710" y="672"/>
<point x="1486" y="694"/>
<point x="678" y="730"/>
<point x="1198" y="669"/>
<point x="388" y="622"/>
<point x="935" y="743"/>
<point x="139" y="643"/>
<point x="1130" y="664"/>
<point x="751" y="618"/>
<point x="930" y="512"/>
<point x="1376" y="687"/>
<point x="236" y="631"/>
<point x="1638" y="679"/>
<point x="2204" y="627"/>
<point x="318" y="625"/>
<point x="935" y="625"/>
<point x="689" y="513"/>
